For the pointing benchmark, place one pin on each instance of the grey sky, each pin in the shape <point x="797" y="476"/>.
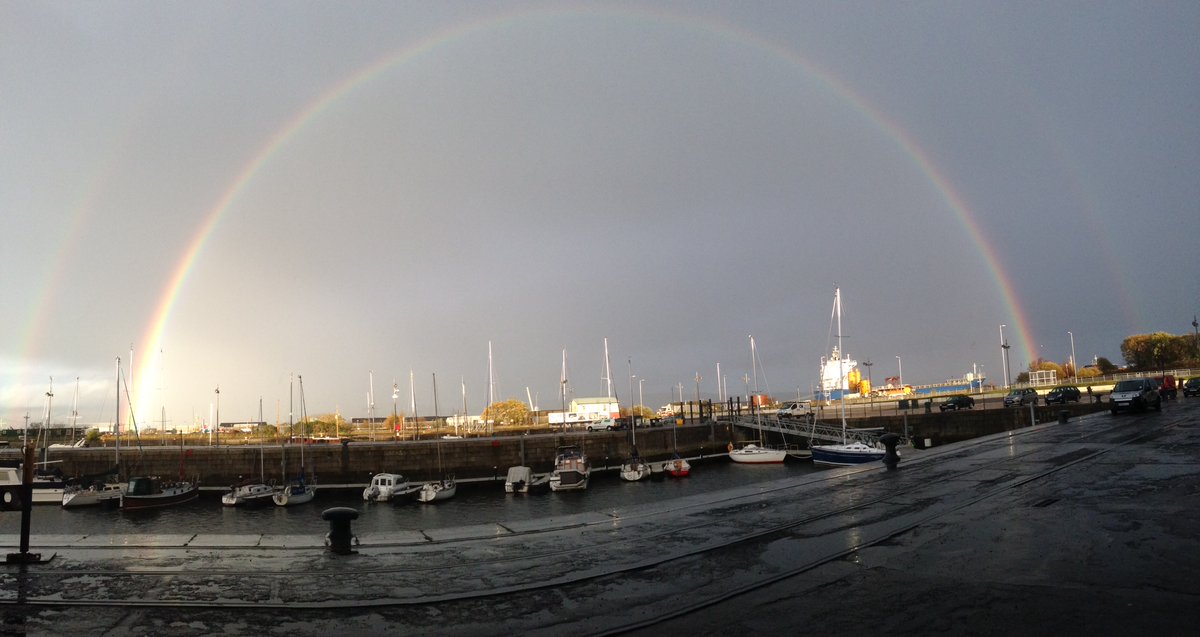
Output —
<point x="674" y="177"/>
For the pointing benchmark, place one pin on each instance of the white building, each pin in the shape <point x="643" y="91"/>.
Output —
<point x="587" y="410"/>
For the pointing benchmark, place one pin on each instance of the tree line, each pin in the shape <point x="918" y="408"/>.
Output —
<point x="1142" y="353"/>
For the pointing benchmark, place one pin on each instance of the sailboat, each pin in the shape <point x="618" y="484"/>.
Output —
<point x="852" y="453"/>
<point x="250" y="493"/>
<point x="443" y="489"/>
<point x="571" y="466"/>
<point x="297" y="491"/>
<point x="48" y="484"/>
<point x="100" y="491"/>
<point x="758" y="453"/>
<point x="634" y="468"/>
<point x="438" y="490"/>
<point x="152" y="492"/>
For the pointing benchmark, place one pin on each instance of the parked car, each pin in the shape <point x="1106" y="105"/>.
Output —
<point x="959" y="401"/>
<point x="1063" y="395"/>
<point x="1027" y="396"/>
<point x="1191" y="387"/>
<point x="1166" y="386"/>
<point x="1137" y="393"/>
<point x="605" y="424"/>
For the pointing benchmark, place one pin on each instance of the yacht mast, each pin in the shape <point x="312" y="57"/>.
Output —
<point x="607" y="371"/>
<point x="837" y="308"/>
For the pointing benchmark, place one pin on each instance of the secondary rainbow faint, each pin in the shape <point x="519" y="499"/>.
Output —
<point x="152" y="341"/>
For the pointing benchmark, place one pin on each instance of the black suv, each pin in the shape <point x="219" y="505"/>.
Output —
<point x="1063" y="395"/>
<point x="1027" y="396"/>
<point x="960" y="401"/>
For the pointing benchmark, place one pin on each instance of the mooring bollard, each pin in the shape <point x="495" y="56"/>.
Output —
<point x="891" y="458"/>
<point x="1064" y="416"/>
<point x="339" y="537"/>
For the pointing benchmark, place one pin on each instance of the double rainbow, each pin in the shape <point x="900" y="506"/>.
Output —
<point x="413" y="52"/>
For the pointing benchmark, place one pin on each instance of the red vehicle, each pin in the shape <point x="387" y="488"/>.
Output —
<point x="1166" y="386"/>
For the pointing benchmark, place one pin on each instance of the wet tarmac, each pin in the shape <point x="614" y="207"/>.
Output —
<point x="1088" y="527"/>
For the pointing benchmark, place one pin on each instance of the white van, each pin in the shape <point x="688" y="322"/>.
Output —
<point x="795" y="409"/>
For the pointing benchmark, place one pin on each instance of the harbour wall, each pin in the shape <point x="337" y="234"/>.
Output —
<point x="939" y="428"/>
<point x="354" y="463"/>
<point x="488" y="458"/>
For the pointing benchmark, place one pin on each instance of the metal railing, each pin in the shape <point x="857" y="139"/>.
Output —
<point x="807" y="429"/>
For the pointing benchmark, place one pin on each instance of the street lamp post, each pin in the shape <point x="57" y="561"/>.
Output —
<point x="1074" y="369"/>
<point x="1004" y="354"/>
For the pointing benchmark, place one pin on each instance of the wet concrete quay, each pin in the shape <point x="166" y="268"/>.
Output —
<point x="1087" y="527"/>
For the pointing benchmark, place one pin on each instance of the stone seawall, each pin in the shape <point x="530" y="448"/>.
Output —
<point x="489" y="458"/>
<point x="939" y="428"/>
<point x="354" y="463"/>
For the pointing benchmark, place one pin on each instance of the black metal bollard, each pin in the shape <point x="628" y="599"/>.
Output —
<point x="339" y="537"/>
<point x="1064" y="416"/>
<point x="891" y="458"/>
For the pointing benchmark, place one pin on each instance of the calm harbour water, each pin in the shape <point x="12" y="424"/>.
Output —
<point x="474" y="504"/>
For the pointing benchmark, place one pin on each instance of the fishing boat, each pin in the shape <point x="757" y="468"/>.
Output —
<point x="297" y="491"/>
<point x="151" y="492"/>
<point x="846" y="453"/>
<point x="385" y="487"/>
<point x="756" y="453"/>
<point x="571" y="469"/>
<point x="518" y="479"/>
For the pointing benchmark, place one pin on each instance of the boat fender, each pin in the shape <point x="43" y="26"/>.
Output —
<point x="729" y="447"/>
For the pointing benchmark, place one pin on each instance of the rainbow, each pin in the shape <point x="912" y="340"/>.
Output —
<point x="159" y="321"/>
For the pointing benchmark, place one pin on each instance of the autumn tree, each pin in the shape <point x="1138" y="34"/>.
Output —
<point x="1157" y="350"/>
<point x="507" y="413"/>
<point x="394" y="422"/>
<point x="1042" y="364"/>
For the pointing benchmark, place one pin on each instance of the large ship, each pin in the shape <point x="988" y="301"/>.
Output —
<point x="840" y="376"/>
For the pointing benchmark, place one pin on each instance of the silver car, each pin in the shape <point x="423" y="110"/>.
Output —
<point x="1137" y="393"/>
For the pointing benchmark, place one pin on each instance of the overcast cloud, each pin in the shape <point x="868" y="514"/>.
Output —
<point x="672" y="176"/>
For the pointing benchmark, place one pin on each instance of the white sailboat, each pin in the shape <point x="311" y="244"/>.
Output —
<point x="438" y="490"/>
<point x="249" y="493"/>
<point x="634" y="468"/>
<point x="443" y="489"/>
<point x="847" y="453"/>
<point x="100" y="491"/>
<point x="759" y="453"/>
<point x="297" y="491"/>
